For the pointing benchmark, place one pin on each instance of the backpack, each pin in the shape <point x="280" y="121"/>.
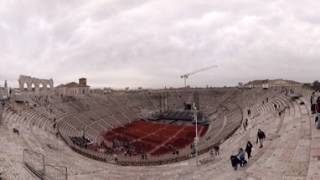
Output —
<point x="261" y="135"/>
<point x="234" y="160"/>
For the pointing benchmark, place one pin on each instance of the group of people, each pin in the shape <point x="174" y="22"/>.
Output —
<point x="315" y="107"/>
<point x="240" y="158"/>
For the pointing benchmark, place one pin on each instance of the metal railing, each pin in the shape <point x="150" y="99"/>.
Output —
<point x="36" y="163"/>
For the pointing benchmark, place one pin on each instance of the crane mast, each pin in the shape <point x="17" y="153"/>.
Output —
<point x="186" y="76"/>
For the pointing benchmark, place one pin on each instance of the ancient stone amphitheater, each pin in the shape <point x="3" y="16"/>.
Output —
<point x="57" y="137"/>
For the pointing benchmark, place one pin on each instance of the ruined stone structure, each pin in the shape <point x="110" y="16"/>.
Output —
<point x="73" y="88"/>
<point x="31" y="84"/>
<point x="4" y="91"/>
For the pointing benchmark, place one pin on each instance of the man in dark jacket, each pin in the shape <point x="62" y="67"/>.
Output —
<point x="260" y="137"/>
<point x="234" y="162"/>
<point x="249" y="149"/>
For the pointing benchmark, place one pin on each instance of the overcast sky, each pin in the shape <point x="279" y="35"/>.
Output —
<point x="150" y="43"/>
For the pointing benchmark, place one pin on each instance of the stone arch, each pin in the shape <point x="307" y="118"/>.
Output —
<point x="35" y="84"/>
<point x="25" y="86"/>
<point x="41" y="86"/>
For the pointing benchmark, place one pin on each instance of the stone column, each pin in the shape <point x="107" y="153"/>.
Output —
<point x="29" y="85"/>
<point x="44" y="84"/>
<point x="51" y="84"/>
<point x="37" y="87"/>
<point x="1" y="111"/>
<point x="21" y="85"/>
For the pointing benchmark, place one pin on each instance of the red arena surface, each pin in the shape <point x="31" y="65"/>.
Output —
<point x="154" y="138"/>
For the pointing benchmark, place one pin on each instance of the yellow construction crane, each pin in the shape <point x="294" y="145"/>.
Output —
<point x="186" y="76"/>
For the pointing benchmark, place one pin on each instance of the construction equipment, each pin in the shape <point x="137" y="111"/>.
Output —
<point x="186" y="76"/>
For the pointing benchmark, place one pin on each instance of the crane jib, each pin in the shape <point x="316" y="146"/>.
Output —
<point x="186" y="76"/>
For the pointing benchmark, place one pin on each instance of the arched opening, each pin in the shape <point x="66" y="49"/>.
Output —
<point x="25" y="86"/>
<point x="33" y="87"/>
<point x="48" y="86"/>
<point x="40" y="86"/>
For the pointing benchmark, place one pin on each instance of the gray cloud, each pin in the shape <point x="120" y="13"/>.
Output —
<point x="121" y="43"/>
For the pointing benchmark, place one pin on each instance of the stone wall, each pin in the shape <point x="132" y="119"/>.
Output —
<point x="36" y="85"/>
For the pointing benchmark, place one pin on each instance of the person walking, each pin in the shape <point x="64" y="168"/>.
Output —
<point x="216" y="150"/>
<point x="249" y="149"/>
<point x="249" y="112"/>
<point x="242" y="157"/>
<point x="313" y="101"/>
<point x="317" y="111"/>
<point x="234" y="162"/>
<point x="317" y="105"/>
<point x="260" y="137"/>
<point x="245" y="124"/>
